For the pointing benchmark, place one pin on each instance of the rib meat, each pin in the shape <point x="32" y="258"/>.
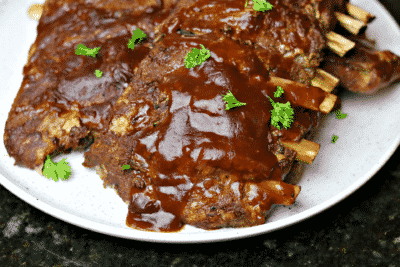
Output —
<point x="323" y="11"/>
<point x="61" y="102"/>
<point x="285" y="39"/>
<point x="191" y="161"/>
<point x="289" y="39"/>
<point x="365" y="69"/>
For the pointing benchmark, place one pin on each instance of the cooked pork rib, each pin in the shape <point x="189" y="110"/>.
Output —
<point x="287" y="40"/>
<point x="61" y="101"/>
<point x="188" y="155"/>
<point x="191" y="161"/>
<point x="61" y="104"/>
<point x="365" y="69"/>
<point x="323" y="11"/>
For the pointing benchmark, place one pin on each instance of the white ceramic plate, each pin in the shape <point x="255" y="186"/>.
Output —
<point x="367" y="138"/>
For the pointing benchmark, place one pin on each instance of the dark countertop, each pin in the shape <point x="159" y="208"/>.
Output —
<point x="363" y="230"/>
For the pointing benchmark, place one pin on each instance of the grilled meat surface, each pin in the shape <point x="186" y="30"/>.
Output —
<point x="61" y="102"/>
<point x="364" y="69"/>
<point x="322" y="10"/>
<point x="191" y="160"/>
<point x="288" y="40"/>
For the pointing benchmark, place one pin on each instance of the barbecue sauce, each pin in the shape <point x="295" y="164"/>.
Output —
<point x="62" y="86"/>
<point x="198" y="131"/>
<point x="288" y="40"/>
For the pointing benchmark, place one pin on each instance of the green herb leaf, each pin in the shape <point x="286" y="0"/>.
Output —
<point x="282" y="113"/>
<point x="196" y="57"/>
<point x="340" y="115"/>
<point x="137" y="36"/>
<point x="334" y="138"/>
<point x="245" y="4"/>
<point x="190" y="58"/>
<point x="55" y="170"/>
<point x="98" y="73"/>
<point x="231" y="101"/>
<point x="126" y="167"/>
<point x="261" y="5"/>
<point x="278" y="92"/>
<point x="83" y="50"/>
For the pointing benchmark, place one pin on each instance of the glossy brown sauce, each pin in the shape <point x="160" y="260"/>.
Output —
<point x="198" y="131"/>
<point x="287" y="39"/>
<point x="61" y="101"/>
<point x="73" y="75"/>
<point x="243" y="24"/>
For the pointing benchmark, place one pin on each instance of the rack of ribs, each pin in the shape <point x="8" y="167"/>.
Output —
<point x="287" y="40"/>
<point x="191" y="161"/>
<point x="290" y="40"/>
<point x="61" y="103"/>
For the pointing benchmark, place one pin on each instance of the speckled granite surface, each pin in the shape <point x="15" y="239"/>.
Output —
<point x="362" y="230"/>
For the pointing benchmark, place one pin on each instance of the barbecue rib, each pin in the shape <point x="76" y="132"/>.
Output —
<point x="286" y="40"/>
<point x="191" y="160"/>
<point x="289" y="40"/>
<point x="365" y="69"/>
<point x="61" y="101"/>
<point x="323" y="11"/>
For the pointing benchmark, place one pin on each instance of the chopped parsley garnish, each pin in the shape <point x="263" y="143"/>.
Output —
<point x="282" y="113"/>
<point x="83" y="50"/>
<point x="340" y="115"/>
<point x="196" y="57"/>
<point x="261" y="5"/>
<point x="334" y="138"/>
<point x="231" y="101"/>
<point x="56" y="170"/>
<point x="278" y="92"/>
<point x="98" y="73"/>
<point x="137" y="36"/>
<point x="126" y="167"/>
